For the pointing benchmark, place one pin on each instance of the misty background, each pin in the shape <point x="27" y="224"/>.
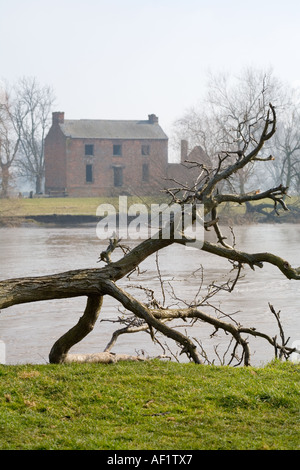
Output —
<point x="121" y="59"/>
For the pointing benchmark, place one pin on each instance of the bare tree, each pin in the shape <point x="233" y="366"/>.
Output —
<point x="148" y="314"/>
<point x="9" y="141"/>
<point x="230" y="117"/>
<point x="287" y="147"/>
<point x="32" y="118"/>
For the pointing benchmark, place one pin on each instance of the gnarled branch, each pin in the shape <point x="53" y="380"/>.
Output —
<point x="84" y="326"/>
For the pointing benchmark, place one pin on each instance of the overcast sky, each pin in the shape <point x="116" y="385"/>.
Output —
<point x="125" y="59"/>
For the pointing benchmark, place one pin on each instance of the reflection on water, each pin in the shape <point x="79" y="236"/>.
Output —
<point x="30" y="330"/>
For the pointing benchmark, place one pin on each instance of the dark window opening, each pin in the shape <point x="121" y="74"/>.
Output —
<point x="117" y="149"/>
<point x="145" y="172"/>
<point x="145" y="149"/>
<point x="89" y="149"/>
<point x="118" y="176"/>
<point x="89" y="173"/>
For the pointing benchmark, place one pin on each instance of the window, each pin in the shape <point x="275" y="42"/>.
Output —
<point x="117" y="149"/>
<point x="118" y="176"/>
<point x="89" y="149"/>
<point x="145" y="172"/>
<point x="89" y="173"/>
<point x="145" y="149"/>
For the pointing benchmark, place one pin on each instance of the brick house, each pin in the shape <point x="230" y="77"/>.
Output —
<point x="105" y="157"/>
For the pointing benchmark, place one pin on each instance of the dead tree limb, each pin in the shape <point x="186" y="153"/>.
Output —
<point x="130" y="303"/>
<point x="84" y="326"/>
<point x="90" y="282"/>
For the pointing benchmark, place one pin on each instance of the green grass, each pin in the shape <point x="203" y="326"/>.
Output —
<point x="153" y="406"/>
<point x="88" y="206"/>
<point x="65" y="205"/>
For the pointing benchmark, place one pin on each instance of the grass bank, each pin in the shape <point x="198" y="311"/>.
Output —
<point x="153" y="406"/>
<point x="87" y="206"/>
<point x="65" y="205"/>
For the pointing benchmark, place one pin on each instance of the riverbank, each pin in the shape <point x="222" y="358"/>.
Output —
<point x="77" y="211"/>
<point x="87" y="206"/>
<point x="61" y="211"/>
<point x="149" y="406"/>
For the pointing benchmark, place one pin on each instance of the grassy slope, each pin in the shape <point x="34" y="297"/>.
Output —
<point x="88" y="206"/>
<point x="149" y="406"/>
<point x="64" y="206"/>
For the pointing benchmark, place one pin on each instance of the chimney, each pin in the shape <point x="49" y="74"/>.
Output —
<point x="184" y="150"/>
<point x="58" y="118"/>
<point x="152" y="119"/>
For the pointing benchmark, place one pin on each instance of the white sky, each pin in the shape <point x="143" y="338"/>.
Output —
<point x="125" y="59"/>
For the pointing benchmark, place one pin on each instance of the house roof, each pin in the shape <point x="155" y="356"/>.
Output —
<point x="112" y="129"/>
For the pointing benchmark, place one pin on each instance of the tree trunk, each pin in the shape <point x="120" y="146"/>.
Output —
<point x="38" y="184"/>
<point x="103" y="358"/>
<point x="4" y="180"/>
<point x="84" y="326"/>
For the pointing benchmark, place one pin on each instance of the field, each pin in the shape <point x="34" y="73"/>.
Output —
<point x="149" y="406"/>
<point x="65" y="206"/>
<point x="45" y="206"/>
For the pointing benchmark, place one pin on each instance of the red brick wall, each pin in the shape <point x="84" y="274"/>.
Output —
<point x="103" y="161"/>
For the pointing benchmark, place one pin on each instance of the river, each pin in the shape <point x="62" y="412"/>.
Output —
<point x="29" y="330"/>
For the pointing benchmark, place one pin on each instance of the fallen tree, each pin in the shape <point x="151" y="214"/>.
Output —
<point x="97" y="283"/>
